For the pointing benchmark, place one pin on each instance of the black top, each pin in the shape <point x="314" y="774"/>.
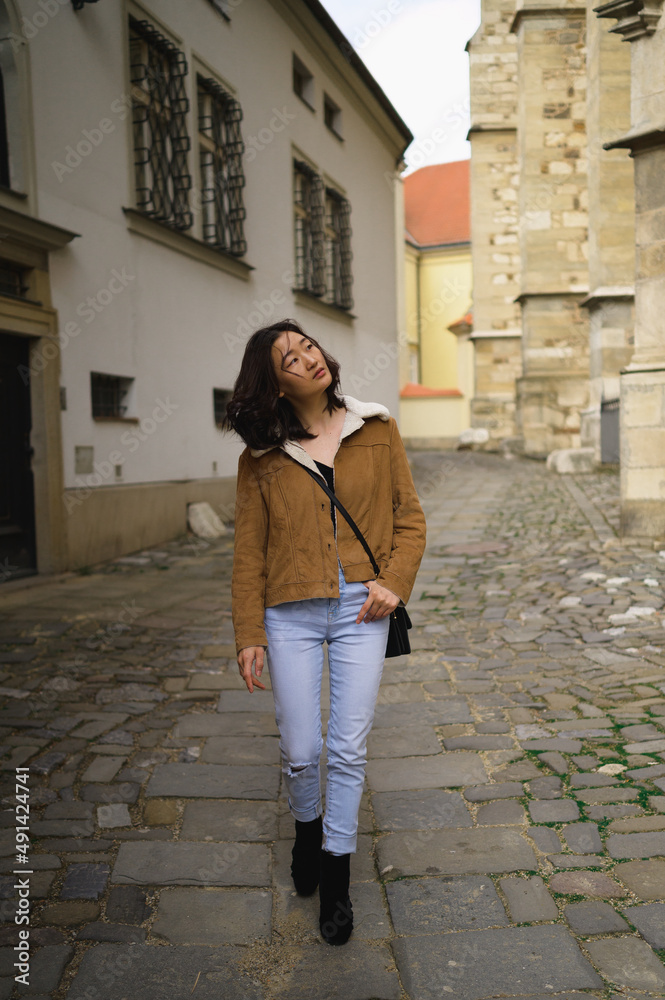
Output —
<point x="327" y="471"/>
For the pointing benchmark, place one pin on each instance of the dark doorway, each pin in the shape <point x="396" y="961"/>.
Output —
<point x="18" y="555"/>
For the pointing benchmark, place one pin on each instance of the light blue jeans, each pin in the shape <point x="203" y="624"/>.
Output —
<point x="295" y="631"/>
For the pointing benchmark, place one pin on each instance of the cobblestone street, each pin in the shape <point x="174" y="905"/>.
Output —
<point x="513" y="824"/>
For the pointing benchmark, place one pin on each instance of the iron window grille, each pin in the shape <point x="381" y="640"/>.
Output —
<point x="338" y="254"/>
<point x="12" y="280"/>
<point x="161" y="143"/>
<point x="108" y="392"/>
<point x="220" y="397"/>
<point x="309" y="212"/>
<point x="220" y="162"/>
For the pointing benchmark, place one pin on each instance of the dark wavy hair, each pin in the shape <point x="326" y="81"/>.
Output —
<point x="256" y="412"/>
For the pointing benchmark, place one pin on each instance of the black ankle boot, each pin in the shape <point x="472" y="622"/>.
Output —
<point x="336" y="914"/>
<point x="305" y="856"/>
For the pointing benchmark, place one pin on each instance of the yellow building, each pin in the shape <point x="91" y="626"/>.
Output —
<point x="438" y="383"/>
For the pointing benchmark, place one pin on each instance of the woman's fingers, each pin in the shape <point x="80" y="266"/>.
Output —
<point x="246" y="659"/>
<point x="364" y="610"/>
<point x="380" y="602"/>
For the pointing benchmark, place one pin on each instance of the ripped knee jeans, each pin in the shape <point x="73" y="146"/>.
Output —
<point x="296" y="631"/>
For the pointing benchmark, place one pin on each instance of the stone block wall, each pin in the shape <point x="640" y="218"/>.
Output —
<point x="611" y="222"/>
<point x="494" y="220"/>
<point x="553" y="207"/>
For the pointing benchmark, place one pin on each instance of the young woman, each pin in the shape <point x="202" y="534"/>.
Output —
<point x="301" y="577"/>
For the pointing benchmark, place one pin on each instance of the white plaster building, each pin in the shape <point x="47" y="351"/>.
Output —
<point x="172" y="176"/>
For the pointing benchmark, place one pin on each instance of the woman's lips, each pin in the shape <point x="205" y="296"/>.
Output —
<point x="320" y="373"/>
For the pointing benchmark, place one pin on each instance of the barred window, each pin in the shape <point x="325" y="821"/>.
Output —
<point x="159" y="105"/>
<point x="308" y="202"/>
<point x="220" y="397"/>
<point x="13" y="279"/>
<point x="108" y="393"/>
<point x="338" y="250"/>
<point x="220" y="163"/>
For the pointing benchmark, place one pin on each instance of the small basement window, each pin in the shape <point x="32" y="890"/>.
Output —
<point x="220" y="397"/>
<point x="109" y="394"/>
<point x="303" y="82"/>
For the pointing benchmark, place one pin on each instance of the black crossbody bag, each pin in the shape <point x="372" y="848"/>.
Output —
<point x="398" y="637"/>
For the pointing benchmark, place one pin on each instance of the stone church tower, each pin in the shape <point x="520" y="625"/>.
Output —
<point x="568" y="238"/>
<point x="641" y="24"/>
<point x="497" y="328"/>
<point x="566" y="206"/>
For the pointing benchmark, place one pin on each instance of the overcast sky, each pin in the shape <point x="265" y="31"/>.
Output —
<point x="415" y="51"/>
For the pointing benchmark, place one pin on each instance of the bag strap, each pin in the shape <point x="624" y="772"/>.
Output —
<point x="359" y="535"/>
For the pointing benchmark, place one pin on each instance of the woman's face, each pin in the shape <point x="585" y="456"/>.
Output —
<point x="297" y="361"/>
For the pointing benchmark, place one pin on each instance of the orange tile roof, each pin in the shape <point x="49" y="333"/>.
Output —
<point x="462" y="325"/>
<point x="413" y="389"/>
<point x="436" y="204"/>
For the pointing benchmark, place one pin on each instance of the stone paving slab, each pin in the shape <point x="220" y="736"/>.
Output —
<point x="443" y="771"/>
<point x="644" y="878"/>
<point x="212" y="724"/>
<point x="213" y="916"/>
<point x="420" y="809"/>
<point x="478" y="964"/>
<point x="241" y="750"/>
<point x="230" y="821"/>
<point x="215" y="781"/>
<point x="649" y="918"/>
<point x="366" y="971"/>
<point x="184" y="863"/>
<point x="435" y="905"/>
<point x="431" y="713"/>
<point x="454" y="852"/>
<point x="528" y="900"/>
<point x="402" y="741"/>
<point x="140" y="970"/>
<point x="636" y="845"/>
<point x="628" y="961"/>
<point x="593" y="917"/>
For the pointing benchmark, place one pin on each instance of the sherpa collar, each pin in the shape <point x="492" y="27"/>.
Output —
<point x="357" y="412"/>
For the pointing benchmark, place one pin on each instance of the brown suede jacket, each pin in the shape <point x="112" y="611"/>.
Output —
<point x="285" y="543"/>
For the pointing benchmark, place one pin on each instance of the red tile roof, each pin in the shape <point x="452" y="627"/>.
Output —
<point x="436" y="204"/>
<point x="462" y="325"/>
<point x="412" y="389"/>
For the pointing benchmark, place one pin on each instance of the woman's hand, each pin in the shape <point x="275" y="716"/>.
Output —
<point x="380" y="602"/>
<point x="246" y="658"/>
